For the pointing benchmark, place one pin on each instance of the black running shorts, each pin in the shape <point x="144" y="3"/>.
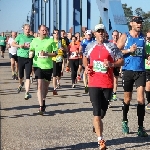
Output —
<point x="131" y="77"/>
<point x="99" y="98"/>
<point x="43" y="73"/>
<point x="2" y="48"/>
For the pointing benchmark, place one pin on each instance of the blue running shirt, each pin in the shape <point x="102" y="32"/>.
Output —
<point x="84" y="43"/>
<point x="135" y="61"/>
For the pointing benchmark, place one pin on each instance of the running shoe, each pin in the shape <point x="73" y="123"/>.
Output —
<point x="86" y="89"/>
<point x="58" y="86"/>
<point x="20" y="87"/>
<point x="13" y="76"/>
<point x="67" y="69"/>
<point x="148" y="106"/>
<point x="142" y="132"/>
<point x="55" y="92"/>
<point x="102" y="145"/>
<point x="62" y="73"/>
<point x="73" y="86"/>
<point x="114" y="97"/>
<point x="16" y="77"/>
<point x="41" y="111"/>
<point x="125" y="128"/>
<point x="27" y="96"/>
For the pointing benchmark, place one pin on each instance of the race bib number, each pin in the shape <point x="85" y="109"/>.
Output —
<point x="39" y="55"/>
<point x="27" y="44"/>
<point x="59" y="58"/>
<point x="73" y="54"/>
<point x="138" y="52"/>
<point x="98" y="66"/>
<point x="2" y="40"/>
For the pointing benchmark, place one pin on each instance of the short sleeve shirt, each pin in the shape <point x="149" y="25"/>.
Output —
<point x="2" y="41"/>
<point x="37" y="45"/>
<point x="22" y="39"/>
<point x="102" y="77"/>
<point x="12" y="50"/>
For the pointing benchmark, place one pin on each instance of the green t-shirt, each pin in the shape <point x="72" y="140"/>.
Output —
<point x="22" y="39"/>
<point x="147" y="63"/>
<point x="37" y="45"/>
<point x="2" y="41"/>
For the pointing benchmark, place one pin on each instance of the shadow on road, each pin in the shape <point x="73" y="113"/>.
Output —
<point x="76" y="147"/>
<point x="128" y="140"/>
<point x="4" y="64"/>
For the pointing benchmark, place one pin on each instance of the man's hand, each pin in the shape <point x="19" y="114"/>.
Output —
<point x="107" y="64"/>
<point x="89" y="69"/>
<point x="42" y="53"/>
<point x="133" y="48"/>
<point x="21" y="46"/>
<point x="26" y="45"/>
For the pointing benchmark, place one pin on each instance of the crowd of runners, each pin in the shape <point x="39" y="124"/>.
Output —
<point x="94" y="59"/>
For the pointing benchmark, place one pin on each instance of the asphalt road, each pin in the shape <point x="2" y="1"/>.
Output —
<point x="67" y="123"/>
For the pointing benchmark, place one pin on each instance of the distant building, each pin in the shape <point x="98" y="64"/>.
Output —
<point x="7" y="33"/>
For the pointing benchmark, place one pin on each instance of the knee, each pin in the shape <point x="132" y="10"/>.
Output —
<point x="127" y="98"/>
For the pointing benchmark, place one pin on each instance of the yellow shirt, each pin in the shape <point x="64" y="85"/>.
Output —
<point x="60" y="52"/>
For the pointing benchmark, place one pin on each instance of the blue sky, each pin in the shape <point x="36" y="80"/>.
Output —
<point x="14" y="12"/>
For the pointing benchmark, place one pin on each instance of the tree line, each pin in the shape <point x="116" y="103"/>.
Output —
<point x="137" y="12"/>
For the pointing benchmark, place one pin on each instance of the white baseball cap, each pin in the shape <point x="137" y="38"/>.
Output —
<point x="99" y="26"/>
<point x="88" y="32"/>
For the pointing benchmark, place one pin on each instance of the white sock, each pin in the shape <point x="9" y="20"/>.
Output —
<point x="100" y="138"/>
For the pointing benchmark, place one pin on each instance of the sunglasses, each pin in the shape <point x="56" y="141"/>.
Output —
<point x="100" y="30"/>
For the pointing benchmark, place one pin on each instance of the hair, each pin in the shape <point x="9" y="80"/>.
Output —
<point x="148" y="31"/>
<point x="77" y="32"/>
<point x="73" y="36"/>
<point x="39" y="27"/>
<point x="63" y="31"/>
<point x="26" y="25"/>
<point x="55" y="30"/>
<point x="115" y="31"/>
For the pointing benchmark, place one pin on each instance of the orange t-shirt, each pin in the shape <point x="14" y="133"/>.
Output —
<point x="74" y="50"/>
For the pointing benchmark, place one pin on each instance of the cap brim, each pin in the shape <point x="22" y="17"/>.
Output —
<point x="99" y="29"/>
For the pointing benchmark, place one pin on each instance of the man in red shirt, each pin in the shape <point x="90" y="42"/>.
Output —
<point x="99" y="60"/>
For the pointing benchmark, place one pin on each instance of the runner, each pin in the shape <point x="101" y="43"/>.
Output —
<point x="88" y="39"/>
<point x="103" y="57"/>
<point x="65" y="43"/>
<point x="115" y="37"/>
<point x="77" y="35"/>
<point x="2" y="44"/>
<point x="22" y="42"/>
<point x="147" y="67"/>
<point x="57" y="61"/>
<point x="42" y="51"/>
<point x="13" y="56"/>
<point x="132" y="45"/>
<point x="74" y="59"/>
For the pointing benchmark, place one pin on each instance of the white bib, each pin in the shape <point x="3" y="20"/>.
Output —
<point x="98" y="66"/>
<point x="138" y="52"/>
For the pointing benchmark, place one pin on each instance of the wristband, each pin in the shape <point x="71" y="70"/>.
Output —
<point x="128" y="50"/>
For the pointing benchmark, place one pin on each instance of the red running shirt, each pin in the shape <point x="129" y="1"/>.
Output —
<point x="102" y="77"/>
